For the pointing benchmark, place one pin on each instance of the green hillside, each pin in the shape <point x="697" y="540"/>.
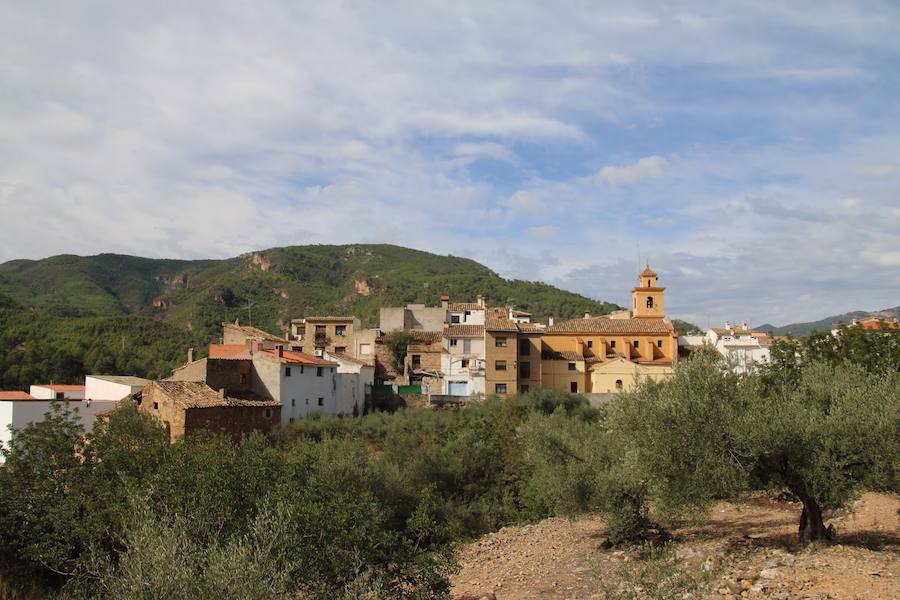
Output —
<point x="159" y="307"/>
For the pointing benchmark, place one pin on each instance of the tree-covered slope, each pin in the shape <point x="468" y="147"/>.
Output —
<point x="65" y="300"/>
<point x="829" y="323"/>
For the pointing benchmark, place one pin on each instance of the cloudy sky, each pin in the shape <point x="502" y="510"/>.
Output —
<point x="750" y="151"/>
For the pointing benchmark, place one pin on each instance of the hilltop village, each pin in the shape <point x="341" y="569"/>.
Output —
<point x="450" y="353"/>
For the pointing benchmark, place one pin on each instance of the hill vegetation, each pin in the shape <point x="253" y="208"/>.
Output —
<point x="65" y="315"/>
<point x="828" y="323"/>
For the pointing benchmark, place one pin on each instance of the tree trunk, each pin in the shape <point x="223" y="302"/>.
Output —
<point x="812" y="527"/>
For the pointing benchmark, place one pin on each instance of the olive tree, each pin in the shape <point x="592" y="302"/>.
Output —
<point x="706" y="435"/>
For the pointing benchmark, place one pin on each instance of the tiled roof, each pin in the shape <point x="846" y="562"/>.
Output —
<point x="732" y="330"/>
<point x="196" y="394"/>
<point x="16" y="396"/>
<point x="648" y="272"/>
<point x="548" y="354"/>
<point x="229" y="351"/>
<point x="122" y="379"/>
<point x="300" y="358"/>
<point x="330" y="319"/>
<point x="253" y="332"/>
<point x="461" y="306"/>
<point x="61" y="388"/>
<point x="605" y="325"/>
<point x="426" y="337"/>
<point x="350" y="358"/>
<point x="648" y="289"/>
<point x="499" y="324"/>
<point x="530" y="328"/>
<point x="464" y="331"/>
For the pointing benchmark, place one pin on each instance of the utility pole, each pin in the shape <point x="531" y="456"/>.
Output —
<point x="249" y="308"/>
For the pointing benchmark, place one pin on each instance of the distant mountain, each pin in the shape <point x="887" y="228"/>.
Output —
<point x="828" y="323"/>
<point x="126" y="304"/>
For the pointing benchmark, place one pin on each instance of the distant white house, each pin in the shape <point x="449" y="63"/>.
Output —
<point x="100" y="393"/>
<point x="743" y="348"/>
<point x="354" y="380"/>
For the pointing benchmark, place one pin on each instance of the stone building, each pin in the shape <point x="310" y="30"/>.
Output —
<point x="183" y="407"/>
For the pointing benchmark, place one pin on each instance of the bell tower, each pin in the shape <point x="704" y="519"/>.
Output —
<point x="648" y="300"/>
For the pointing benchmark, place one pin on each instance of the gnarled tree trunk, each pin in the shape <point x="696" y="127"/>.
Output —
<point x="812" y="526"/>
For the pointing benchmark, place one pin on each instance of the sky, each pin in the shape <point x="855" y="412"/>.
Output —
<point x="748" y="151"/>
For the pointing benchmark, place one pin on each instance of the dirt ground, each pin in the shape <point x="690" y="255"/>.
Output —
<point x="746" y="549"/>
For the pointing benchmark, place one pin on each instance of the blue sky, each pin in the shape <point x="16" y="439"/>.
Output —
<point x="750" y="151"/>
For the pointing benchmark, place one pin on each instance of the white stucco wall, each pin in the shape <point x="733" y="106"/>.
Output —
<point x="46" y="393"/>
<point x="97" y="388"/>
<point x="19" y="413"/>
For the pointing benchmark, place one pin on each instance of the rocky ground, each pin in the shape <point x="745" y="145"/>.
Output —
<point x="745" y="549"/>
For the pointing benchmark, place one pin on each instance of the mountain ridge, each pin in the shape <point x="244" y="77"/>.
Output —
<point x="828" y="323"/>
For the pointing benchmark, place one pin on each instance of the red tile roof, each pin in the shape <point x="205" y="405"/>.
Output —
<point x="548" y="354"/>
<point x="876" y="324"/>
<point x="463" y="306"/>
<point x="330" y="319"/>
<point x="426" y="337"/>
<point x="607" y="326"/>
<point x="500" y="324"/>
<point x="62" y="387"/>
<point x="300" y="358"/>
<point x="229" y="351"/>
<point x="648" y="272"/>
<point x="196" y="394"/>
<point x="16" y="396"/>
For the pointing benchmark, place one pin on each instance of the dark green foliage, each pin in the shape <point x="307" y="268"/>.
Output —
<point x="63" y="316"/>
<point x="685" y="328"/>
<point x="397" y="342"/>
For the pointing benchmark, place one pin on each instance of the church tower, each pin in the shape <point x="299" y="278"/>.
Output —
<point x="648" y="300"/>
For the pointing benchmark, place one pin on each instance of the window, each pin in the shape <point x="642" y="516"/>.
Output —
<point x="612" y="344"/>
<point x="243" y="378"/>
<point x="287" y="371"/>
<point x="453" y="342"/>
<point x="572" y="366"/>
<point x="340" y="349"/>
<point x="307" y="401"/>
<point x="524" y="347"/>
<point x="416" y="361"/>
<point x="60" y="395"/>
<point x="319" y="371"/>
<point x="365" y="349"/>
<point x="500" y="342"/>
<point x="320" y="330"/>
<point x="573" y="387"/>
<point x="500" y="365"/>
<point x="156" y="406"/>
<point x="291" y="420"/>
<point x="523" y="388"/>
<point x="301" y="369"/>
<point x="619" y="385"/>
<point x="649" y="301"/>
<point x="524" y="370"/>
<point x="293" y="402"/>
<point x="268" y="413"/>
<point x="659" y="343"/>
<point x="499" y="388"/>
<point x="590" y="344"/>
<point x="636" y="343"/>
<point x="340" y="330"/>
<point x="321" y="401"/>
<point x="454" y="318"/>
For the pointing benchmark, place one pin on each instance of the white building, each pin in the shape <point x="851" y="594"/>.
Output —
<point x="742" y="347"/>
<point x="463" y="359"/>
<point x="304" y="384"/>
<point x="52" y="391"/>
<point x="355" y="379"/>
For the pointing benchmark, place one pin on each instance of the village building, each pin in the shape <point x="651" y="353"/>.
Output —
<point x="743" y="349"/>
<point x="355" y="379"/>
<point x="336" y="335"/>
<point x="51" y="391"/>
<point x="413" y="317"/>
<point x="183" y="407"/>
<point x="463" y="360"/>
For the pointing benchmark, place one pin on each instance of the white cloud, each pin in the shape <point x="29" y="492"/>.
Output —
<point x="543" y="232"/>
<point x="524" y="202"/>
<point x="649" y="167"/>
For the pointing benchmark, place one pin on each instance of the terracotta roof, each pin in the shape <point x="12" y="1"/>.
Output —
<point x="648" y="272"/>
<point x="661" y="361"/>
<point x="530" y="328"/>
<point x="16" y="396"/>
<point x="196" y="394"/>
<point x="648" y="289"/>
<point x="426" y="337"/>
<point x="876" y="324"/>
<point x="605" y="325"/>
<point x="61" y="388"/>
<point x="492" y="323"/>
<point x="123" y="380"/>
<point x="461" y="306"/>
<point x="548" y="354"/>
<point x="300" y="358"/>
<point x="330" y="319"/>
<point x="521" y="313"/>
<point x="350" y="358"/>
<point x="229" y="351"/>
<point x="732" y="330"/>
<point x="464" y="331"/>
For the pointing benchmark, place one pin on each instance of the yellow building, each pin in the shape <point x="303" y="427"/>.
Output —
<point x="609" y="354"/>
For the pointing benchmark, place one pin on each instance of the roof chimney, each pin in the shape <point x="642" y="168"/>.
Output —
<point x="727" y="324"/>
<point x="279" y="349"/>
<point x="550" y="322"/>
<point x="221" y="392"/>
<point x="190" y="355"/>
<point x="445" y="301"/>
<point x="587" y="315"/>
<point x="480" y="300"/>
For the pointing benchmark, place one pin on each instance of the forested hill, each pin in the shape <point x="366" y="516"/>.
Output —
<point x="66" y="315"/>
<point x="829" y="323"/>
